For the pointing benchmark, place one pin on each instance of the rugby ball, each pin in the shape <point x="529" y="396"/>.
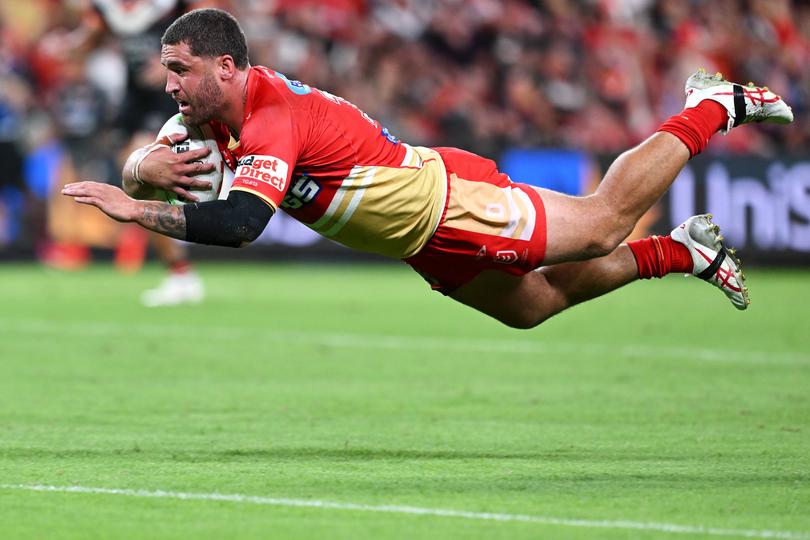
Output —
<point x="198" y="137"/>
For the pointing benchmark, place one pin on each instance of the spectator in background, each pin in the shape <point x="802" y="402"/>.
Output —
<point x="79" y="120"/>
<point x="15" y="94"/>
<point x="135" y="27"/>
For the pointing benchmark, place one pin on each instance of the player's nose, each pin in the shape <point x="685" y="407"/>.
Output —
<point x="172" y="87"/>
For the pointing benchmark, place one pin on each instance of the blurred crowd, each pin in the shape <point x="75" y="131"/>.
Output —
<point x="485" y="75"/>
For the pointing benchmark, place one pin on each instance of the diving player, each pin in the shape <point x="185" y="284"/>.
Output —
<point x="470" y="231"/>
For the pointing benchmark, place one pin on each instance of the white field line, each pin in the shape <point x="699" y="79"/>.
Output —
<point x="419" y="511"/>
<point x="378" y="341"/>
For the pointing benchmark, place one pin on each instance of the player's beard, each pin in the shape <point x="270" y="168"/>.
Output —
<point x="206" y="103"/>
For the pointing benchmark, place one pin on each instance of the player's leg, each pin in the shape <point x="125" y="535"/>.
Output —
<point x="583" y="257"/>
<point x="182" y="284"/>
<point x="586" y="227"/>
<point x="694" y="247"/>
<point x="591" y="227"/>
<point x="526" y="301"/>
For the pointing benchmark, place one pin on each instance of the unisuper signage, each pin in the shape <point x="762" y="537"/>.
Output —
<point x="763" y="206"/>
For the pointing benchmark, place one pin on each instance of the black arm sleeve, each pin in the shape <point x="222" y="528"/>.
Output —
<point x="234" y="222"/>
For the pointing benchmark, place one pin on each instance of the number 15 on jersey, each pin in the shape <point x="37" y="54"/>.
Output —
<point x="301" y="192"/>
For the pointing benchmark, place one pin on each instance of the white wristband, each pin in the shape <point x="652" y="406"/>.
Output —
<point x="149" y="149"/>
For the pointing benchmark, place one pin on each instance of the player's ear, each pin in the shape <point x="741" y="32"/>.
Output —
<point x="226" y="66"/>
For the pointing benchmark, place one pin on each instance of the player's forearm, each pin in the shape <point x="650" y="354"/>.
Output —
<point x="234" y="222"/>
<point x="162" y="218"/>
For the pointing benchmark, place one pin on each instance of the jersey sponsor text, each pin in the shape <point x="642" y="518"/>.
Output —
<point x="268" y="169"/>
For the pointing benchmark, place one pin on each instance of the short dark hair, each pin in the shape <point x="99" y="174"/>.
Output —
<point x="209" y="32"/>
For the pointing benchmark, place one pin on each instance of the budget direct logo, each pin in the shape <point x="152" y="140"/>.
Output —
<point x="267" y="169"/>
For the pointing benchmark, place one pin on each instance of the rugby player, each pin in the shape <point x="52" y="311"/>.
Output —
<point x="513" y="251"/>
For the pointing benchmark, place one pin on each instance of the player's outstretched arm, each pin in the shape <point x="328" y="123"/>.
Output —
<point x="156" y="166"/>
<point x="156" y="216"/>
<point x="234" y="222"/>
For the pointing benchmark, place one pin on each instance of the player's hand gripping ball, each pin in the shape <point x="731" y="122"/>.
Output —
<point x="198" y="137"/>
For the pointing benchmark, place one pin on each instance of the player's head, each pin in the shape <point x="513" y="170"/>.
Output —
<point x="202" y="51"/>
<point x="210" y="33"/>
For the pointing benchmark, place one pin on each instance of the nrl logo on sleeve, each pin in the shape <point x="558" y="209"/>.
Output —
<point x="268" y="169"/>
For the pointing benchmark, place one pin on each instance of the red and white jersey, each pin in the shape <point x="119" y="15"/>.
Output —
<point x="335" y="169"/>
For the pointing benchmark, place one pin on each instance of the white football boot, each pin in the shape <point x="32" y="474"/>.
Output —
<point x="744" y="103"/>
<point x="175" y="289"/>
<point x="713" y="262"/>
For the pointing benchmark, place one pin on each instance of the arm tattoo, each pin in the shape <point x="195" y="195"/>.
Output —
<point x="164" y="218"/>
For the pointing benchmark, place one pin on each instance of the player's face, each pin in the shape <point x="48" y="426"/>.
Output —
<point x="191" y="82"/>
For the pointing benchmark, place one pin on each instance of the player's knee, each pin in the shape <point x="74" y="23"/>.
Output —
<point x="523" y="324"/>
<point x="608" y="242"/>
<point x="612" y="229"/>
<point x="600" y="243"/>
<point x="525" y="319"/>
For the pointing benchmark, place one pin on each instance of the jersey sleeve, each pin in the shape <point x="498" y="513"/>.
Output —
<point x="269" y="150"/>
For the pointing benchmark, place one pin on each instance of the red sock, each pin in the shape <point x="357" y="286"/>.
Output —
<point x="180" y="267"/>
<point x="696" y="125"/>
<point x="657" y="256"/>
<point x="130" y="250"/>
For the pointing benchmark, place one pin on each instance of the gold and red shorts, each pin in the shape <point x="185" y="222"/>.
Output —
<point x="489" y="223"/>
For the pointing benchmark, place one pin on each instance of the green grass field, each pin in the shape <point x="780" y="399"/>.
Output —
<point x="352" y="402"/>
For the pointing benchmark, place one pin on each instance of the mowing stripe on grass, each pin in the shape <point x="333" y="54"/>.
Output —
<point x="377" y="341"/>
<point x="415" y="510"/>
